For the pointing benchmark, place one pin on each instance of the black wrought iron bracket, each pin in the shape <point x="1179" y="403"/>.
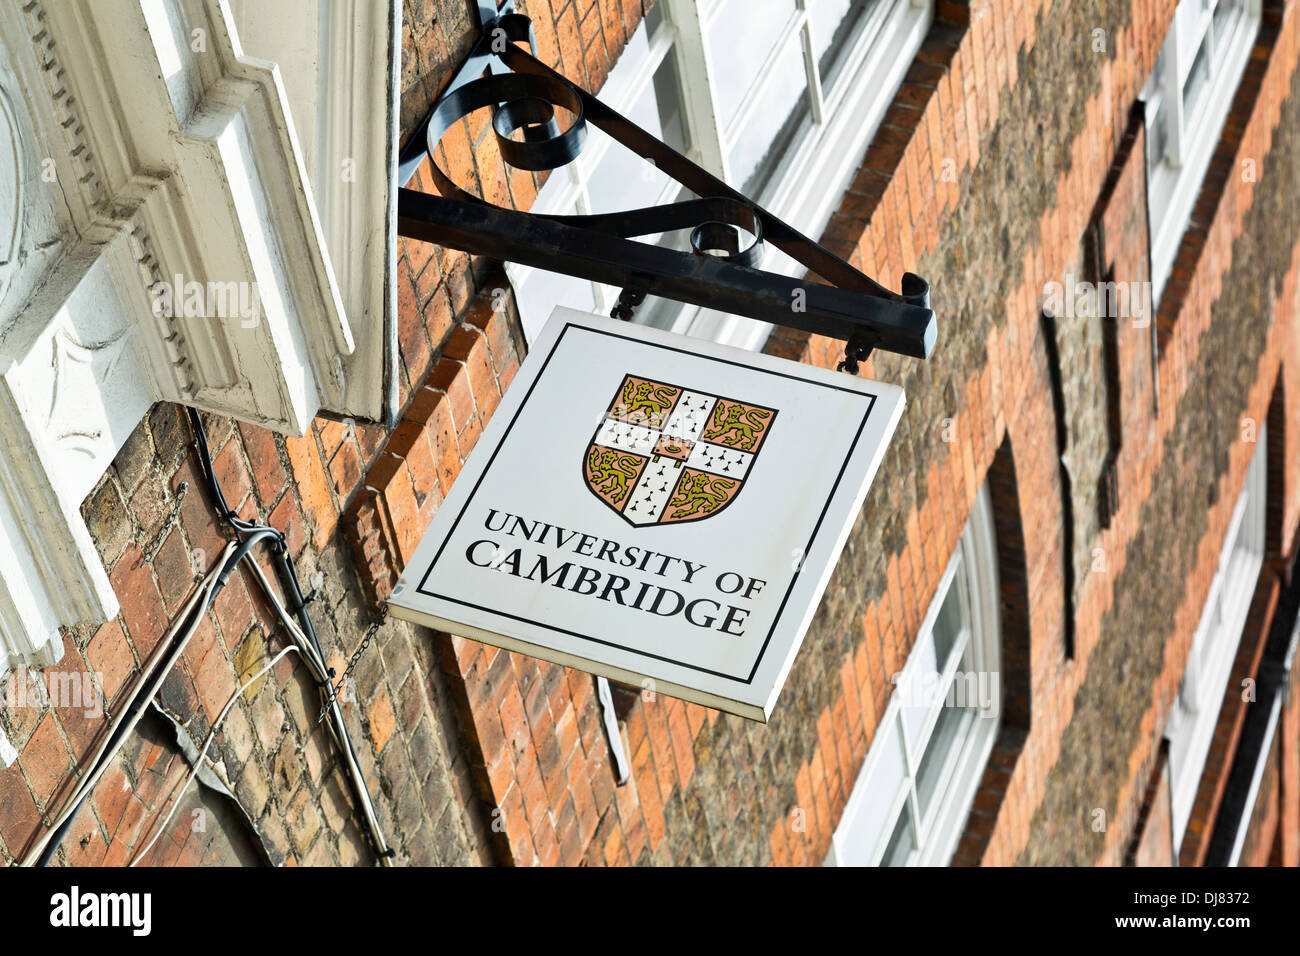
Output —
<point x="727" y="230"/>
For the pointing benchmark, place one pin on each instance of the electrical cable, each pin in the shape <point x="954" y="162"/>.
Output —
<point x="150" y="664"/>
<point x="214" y="486"/>
<point x="203" y="754"/>
<point x="171" y="647"/>
<point x="320" y="671"/>
<point x="304" y="634"/>
<point x="186" y="624"/>
<point x="316" y="662"/>
<point x="297" y="623"/>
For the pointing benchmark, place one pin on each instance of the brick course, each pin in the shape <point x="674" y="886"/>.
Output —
<point x="989" y="168"/>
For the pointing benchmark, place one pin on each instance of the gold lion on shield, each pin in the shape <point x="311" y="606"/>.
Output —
<point x="646" y="397"/>
<point x="699" y="493"/>
<point x="610" y="473"/>
<point x="744" y="423"/>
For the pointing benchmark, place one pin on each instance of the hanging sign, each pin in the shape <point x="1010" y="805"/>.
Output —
<point x="653" y="508"/>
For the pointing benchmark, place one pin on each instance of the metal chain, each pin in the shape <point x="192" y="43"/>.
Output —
<point x="332" y="694"/>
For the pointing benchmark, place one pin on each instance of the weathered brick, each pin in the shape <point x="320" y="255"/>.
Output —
<point x="450" y="377"/>
<point x="107" y="519"/>
<point x="380" y="717"/>
<point x="45" y="760"/>
<point x="264" y="459"/>
<point x="313" y="487"/>
<point x="109" y="656"/>
<point x="142" y="606"/>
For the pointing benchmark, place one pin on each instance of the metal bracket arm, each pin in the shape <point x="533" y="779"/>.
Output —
<point x="727" y="230"/>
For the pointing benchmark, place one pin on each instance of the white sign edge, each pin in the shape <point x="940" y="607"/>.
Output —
<point x="584" y="664"/>
<point x="859" y="499"/>
<point x="561" y="318"/>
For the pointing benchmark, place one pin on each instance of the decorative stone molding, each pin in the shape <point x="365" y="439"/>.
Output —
<point x="349" y="145"/>
<point x="161" y="239"/>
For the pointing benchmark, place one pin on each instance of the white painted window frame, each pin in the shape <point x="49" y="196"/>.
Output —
<point x="1174" y="181"/>
<point x="567" y="187"/>
<point x="1256" y="779"/>
<point x="1195" y="711"/>
<point x="1265" y="752"/>
<point x="7" y="753"/>
<point x="340" y="61"/>
<point x="809" y="182"/>
<point x="973" y="570"/>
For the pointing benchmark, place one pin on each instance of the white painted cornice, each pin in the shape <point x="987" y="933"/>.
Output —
<point x="141" y="144"/>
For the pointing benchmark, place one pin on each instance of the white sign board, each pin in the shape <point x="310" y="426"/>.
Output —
<point x="653" y="508"/>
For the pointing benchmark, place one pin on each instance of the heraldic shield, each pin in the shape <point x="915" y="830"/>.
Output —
<point x="663" y="454"/>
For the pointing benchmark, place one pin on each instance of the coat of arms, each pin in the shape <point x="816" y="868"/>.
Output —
<point x="663" y="454"/>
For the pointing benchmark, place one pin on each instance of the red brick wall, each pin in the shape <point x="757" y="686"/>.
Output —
<point x="157" y="531"/>
<point x="542" y="762"/>
<point x="541" y="758"/>
<point x="272" y="753"/>
<point x="476" y="754"/>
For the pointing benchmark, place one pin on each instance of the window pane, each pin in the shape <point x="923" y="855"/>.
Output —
<point x="655" y="18"/>
<point x="1157" y="100"/>
<point x="922" y="690"/>
<point x="1242" y="560"/>
<point x="881" y="793"/>
<point x="623" y="180"/>
<point x="918" y="691"/>
<point x="1158" y="144"/>
<point x="1218" y="636"/>
<point x="741" y="37"/>
<point x="1194" y="86"/>
<point x="543" y="290"/>
<point x="901" y="842"/>
<point x="1158" y="71"/>
<point x="668" y="94"/>
<point x="1225" y="16"/>
<point x="762" y="141"/>
<point x="833" y="23"/>
<point x="950" y="730"/>
<point x="618" y="85"/>
<point x="948" y="625"/>
<point x="963" y="719"/>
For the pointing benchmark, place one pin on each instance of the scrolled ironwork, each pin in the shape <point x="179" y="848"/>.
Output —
<point x="727" y="231"/>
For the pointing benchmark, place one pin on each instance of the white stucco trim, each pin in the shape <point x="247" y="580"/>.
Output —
<point x="141" y="145"/>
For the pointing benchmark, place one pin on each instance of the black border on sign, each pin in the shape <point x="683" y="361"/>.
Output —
<point x="596" y="640"/>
